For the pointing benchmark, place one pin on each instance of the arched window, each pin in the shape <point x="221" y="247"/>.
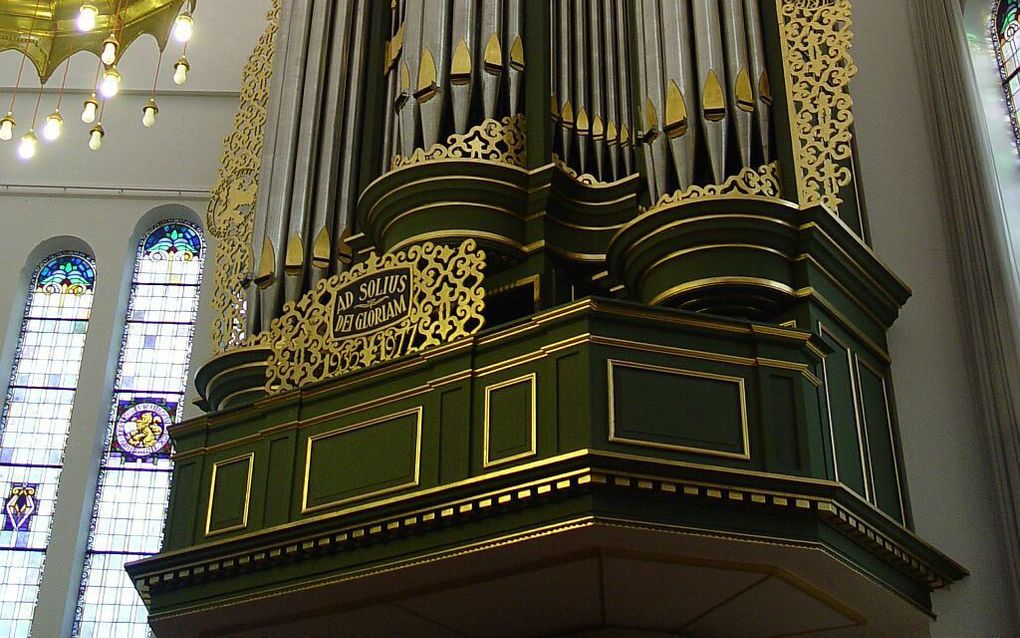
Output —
<point x="1006" y="38"/>
<point x="134" y="479"/>
<point x="33" y="432"/>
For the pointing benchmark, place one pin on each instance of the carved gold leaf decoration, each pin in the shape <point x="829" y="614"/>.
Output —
<point x="585" y="178"/>
<point x="445" y="303"/>
<point x="816" y="36"/>
<point x="763" y="182"/>
<point x="499" y="141"/>
<point x="231" y="211"/>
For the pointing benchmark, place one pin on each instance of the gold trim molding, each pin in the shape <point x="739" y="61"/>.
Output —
<point x="487" y="460"/>
<point x="231" y="212"/>
<point x="816" y="36"/>
<point x="358" y="426"/>
<point x="694" y="374"/>
<point x="248" y="458"/>
<point x="500" y="141"/>
<point x="761" y="182"/>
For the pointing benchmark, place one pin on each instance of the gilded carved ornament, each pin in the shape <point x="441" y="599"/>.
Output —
<point x="231" y="211"/>
<point x="385" y="307"/>
<point x="816" y="37"/>
<point x="763" y="182"/>
<point x="500" y="141"/>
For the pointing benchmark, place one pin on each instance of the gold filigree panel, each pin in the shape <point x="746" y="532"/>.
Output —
<point x="383" y="308"/>
<point x="231" y="211"/>
<point x="763" y="182"/>
<point x="499" y="141"/>
<point x="816" y="39"/>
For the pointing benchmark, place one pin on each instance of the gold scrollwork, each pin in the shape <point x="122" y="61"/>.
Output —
<point x="446" y="301"/>
<point x="585" y="178"/>
<point x="816" y="36"/>
<point x="231" y="210"/>
<point x="763" y="182"/>
<point x="499" y="141"/>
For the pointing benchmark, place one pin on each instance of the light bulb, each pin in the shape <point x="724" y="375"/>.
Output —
<point x="111" y="83"/>
<point x="54" y="126"/>
<point x="96" y="137"/>
<point x="87" y="17"/>
<point x="7" y="128"/>
<point x="110" y="47"/>
<point x="181" y="68"/>
<point x="149" y="114"/>
<point x="184" y="26"/>
<point x="89" y="109"/>
<point x="29" y="145"/>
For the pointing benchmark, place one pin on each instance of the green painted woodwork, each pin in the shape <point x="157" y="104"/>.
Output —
<point x="676" y="382"/>
<point x="350" y="462"/>
<point x="509" y="421"/>
<point x="228" y="494"/>
<point x="678" y="408"/>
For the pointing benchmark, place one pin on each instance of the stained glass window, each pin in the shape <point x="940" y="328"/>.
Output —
<point x="134" y="478"/>
<point x="33" y="430"/>
<point x="1006" y="37"/>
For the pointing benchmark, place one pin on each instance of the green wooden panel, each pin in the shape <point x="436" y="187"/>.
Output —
<point x="682" y="409"/>
<point x="455" y="430"/>
<point x="843" y="418"/>
<point x="179" y="527"/>
<point x="784" y="441"/>
<point x="280" y="477"/>
<point x="880" y="442"/>
<point x="573" y="418"/>
<point x="229" y="494"/>
<point x="362" y="460"/>
<point x="510" y="420"/>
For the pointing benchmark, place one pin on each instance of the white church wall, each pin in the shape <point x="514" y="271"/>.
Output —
<point x="102" y="203"/>
<point x="943" y="443"/>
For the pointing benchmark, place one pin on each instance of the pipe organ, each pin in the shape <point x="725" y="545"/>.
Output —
<point x="499" y="279"/>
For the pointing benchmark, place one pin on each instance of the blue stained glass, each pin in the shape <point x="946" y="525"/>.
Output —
<point x="134" y="476"/>
<point x="1005" y="32"/>
<point x="68" y="273"/>
<point x="174" y="240"/>
<point x="33" y="432"/>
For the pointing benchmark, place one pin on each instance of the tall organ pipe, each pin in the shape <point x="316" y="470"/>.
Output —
<point x="711" y="74"/>
<point x="463" y="64"/>
<point x="739" y="77"/>
<point x="759" y="75"/>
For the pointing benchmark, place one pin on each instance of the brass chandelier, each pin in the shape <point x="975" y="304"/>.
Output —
<point x="49" y="32"/>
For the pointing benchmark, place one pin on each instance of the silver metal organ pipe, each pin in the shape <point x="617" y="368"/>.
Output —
<point x="269" y="272"/>
<point x="431" y="75"/>
<point x="492" y="57"/>
<point x="299" y="224"/>
<point x="582" y="111"/>
<point x="332" y="148"/>
<point x="649" y="78"/>
<point x="612" y="97"/>
<point x="597" y="67"/>
<point x="680" y="87"/>
<point x="739" y="77"/>
<point x="463" y="64"/>
<point x="408" y="69"/>
<point x="759" y="75"/>
<point x="623" y="78"/>
<point x="515" y="37"/>
<point x="263" y="250"/>
<point x="353" y="119"/>
<point x="711" y="74"/>
<point x="564" y="68"/>
<point x="391" y="55"/>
